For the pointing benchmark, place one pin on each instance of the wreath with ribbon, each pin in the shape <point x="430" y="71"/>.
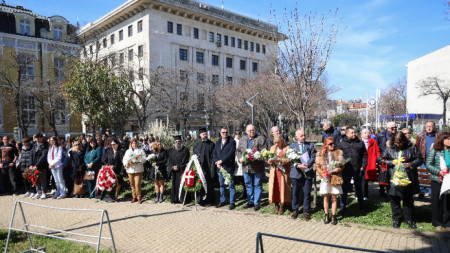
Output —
<point x="193" y="178"/>
<point x="32" y="175"/>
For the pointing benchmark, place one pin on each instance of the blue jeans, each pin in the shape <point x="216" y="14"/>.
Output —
<point x="297" y="186"/>
<point x="347" y="177"/>
<point x="222" y="188"/>
<point x="253" y="184"/>
<point x="59" y="181"/>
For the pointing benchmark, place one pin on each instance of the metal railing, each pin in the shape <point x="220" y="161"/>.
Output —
<point x="260" y="247"/>
<point x="26" y="230"/>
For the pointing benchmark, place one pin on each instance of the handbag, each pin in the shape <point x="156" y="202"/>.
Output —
<point x="336" y="180"/>
<point x="384" y="176"/>
<point x="89" y="175"/>
<point x="78" y="188"/>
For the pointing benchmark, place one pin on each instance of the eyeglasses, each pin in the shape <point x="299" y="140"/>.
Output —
<point x="393" y="128"/>
<point x="225" y="132"/>
<point x="75" y="145"/>
<point x="331" y="144"/>
<point x="343" y="129"/>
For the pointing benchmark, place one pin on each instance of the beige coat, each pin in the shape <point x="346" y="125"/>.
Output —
<point x="285" y="184"/>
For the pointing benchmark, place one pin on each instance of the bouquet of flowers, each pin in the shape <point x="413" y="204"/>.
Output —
<point x="250" y="155"/>
<point x="151" y="158"/>
<point x="32" y="175"/>
<point x="266" y="155"/>
<point x="293" y="155"/>
<point x="400" y="177"/>
<point x="136" y="159"/>
<point x="226" y="176"/>
<point x="106" y="178"/>
<point x="332" y="166"/>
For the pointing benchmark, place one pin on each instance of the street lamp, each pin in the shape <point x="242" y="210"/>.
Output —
<point x="251" y="105"/>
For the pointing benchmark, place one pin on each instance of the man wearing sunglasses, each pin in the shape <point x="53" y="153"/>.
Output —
<point x="382" y="139"/>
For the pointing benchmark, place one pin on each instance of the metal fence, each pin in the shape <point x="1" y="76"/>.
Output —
<point x="260" y="246"/>
<point x="27" y="227"/>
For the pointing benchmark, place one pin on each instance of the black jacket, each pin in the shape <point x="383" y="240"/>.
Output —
<point x="412" y="155"/>
<point x="204" y="151"/>
<point x="227" y="153"/>
<point x="39" y="156"/>
<point x="331" y="132"/>
<point x="115" y="160"/>
<point x="382" y="138"/>
<point x="25" y="159"/>
<point x="355" y="150"/>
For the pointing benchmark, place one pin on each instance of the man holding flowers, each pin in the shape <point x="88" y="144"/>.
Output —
<point x="254" y="169"/>
<point x="302" y="174"/>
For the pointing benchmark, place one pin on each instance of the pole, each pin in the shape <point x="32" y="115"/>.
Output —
<point x="367" y="107"/>
<point x="251" y="105"/>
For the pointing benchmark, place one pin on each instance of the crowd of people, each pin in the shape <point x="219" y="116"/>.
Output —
<point x="345" y="162"/>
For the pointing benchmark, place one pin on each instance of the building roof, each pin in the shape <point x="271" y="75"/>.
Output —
<point x="420" y="57"/>
<point x="358" y="106"/>
<point x="190" y="6"/>
<point x="19" y="9"/>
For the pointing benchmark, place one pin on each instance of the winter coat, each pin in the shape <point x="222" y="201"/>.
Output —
<point x="433" y="164"/>
<point x="382" y="139"/>
<point x="413" y="157"/>
<point x="373" y="152"/>
<point x="322" y="164"/>
<point x="331" y="132"/>
<point x="355" y="150"/>
<point x="39" y="156"/>
<point x="54" y="156"/>
<point x="136" y="167"/>
<point x="25" y="159"/>
<point x="93" y="156"/>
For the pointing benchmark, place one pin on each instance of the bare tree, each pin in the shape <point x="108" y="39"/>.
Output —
<point x="393" y="99"/>
<point x="303" y="56"/>
<point x="439" y="88"/>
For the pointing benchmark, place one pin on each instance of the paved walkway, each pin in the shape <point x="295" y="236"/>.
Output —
<point x="165" y="227"/>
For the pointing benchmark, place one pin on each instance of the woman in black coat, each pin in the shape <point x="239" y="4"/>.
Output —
<point x="412" y="159"/>
<point x="158" y="171"/>
<point x="113" y="157"/>
<point x="76" y="159"/>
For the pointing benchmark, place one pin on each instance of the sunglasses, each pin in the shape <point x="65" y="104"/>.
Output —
<point x="225" y="132"/>
<point x="331" y="144"/>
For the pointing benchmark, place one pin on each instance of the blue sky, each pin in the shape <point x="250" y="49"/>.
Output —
<point x="380" y="36"/>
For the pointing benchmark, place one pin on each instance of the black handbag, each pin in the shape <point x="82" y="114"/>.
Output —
<point x="384" y="177"/>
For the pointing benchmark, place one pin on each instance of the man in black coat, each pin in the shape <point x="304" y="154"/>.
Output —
<point x="382" y="139"/>
<point x="354" y="149"/>
<point x="204" y="150"/>
<point x="224" y="157"/>
<point x="329" y="131"/>
<point x="178" y="159"/>
<point x="39" y="161"/>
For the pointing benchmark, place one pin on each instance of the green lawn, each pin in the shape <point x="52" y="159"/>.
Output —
<point x="379" y="213"/>
<point x="19" y="243"/>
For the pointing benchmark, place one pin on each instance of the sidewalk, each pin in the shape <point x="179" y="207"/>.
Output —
<point x="165" y="227"/>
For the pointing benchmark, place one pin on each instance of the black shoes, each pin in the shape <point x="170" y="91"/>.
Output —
<point x="232" y="206"/>
<point x="411" y="224"/>
<point x="396" y="224"/>
<point x="248" y="205"/>
<point x="220" y="205"/>
<point x="333" y="219"/>
<point x="256" y="208"/>
<point x="327" y="218"/>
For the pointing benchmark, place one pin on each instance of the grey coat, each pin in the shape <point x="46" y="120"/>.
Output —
<point x="258" y="143"/>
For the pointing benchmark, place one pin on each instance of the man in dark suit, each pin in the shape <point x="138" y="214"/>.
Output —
<point x="302" y="175"/>
<point x="204" y="149"/>
<point x="224" y="157"/>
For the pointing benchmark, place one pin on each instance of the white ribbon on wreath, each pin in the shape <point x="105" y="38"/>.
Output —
<point x="194" y="159"/>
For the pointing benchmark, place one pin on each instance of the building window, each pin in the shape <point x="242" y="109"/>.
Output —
<point x="233" y="42"/>
<point x="242" y="63"/>
<point x="112" y="39"/>
<point x="169" y="27"/>
<point x="183" y="54"/>
<point x="91" y="50"/>
<point x="229" y="62"/>
<point x="104" y="43"/>
<point x="211" y="37"/>
<point x="257" y="47"/>
<point x="25" y="27"/>
<point x="195" y="33"/>
<point x="131" y="75"/>
<point x="113" y="60"/>
<point x="245" y="45"/>
<point x="200" y="78"/>
<point x="225" y="40"/>
<point x="239" y="43"/>
<point x="215" y="79"/>
<point x="141" y="74"/>
<point x="26" y="66"/>
<point x="139" y="28"/>
<point x="130" y="30"/>
<point x="59" y="68"/>
<point x="263" y="49"/>
<point x="215" y="60"/>
<point x="255" y="67"/>
<point x="252" y="46"/>
<point x="130" y="54"/>
<point x="183" y="75"/>
<point x="97" y="45"/>
<point x="60" y="113"/>
<point x="219" y="37"/>
<point x="28" y="105"/>
<point x="57" y="32"/>
<point x="120" y="35"/>
<point x="121" y="58"/>
<point x="179" y="29"/>
<point x="199" y="57"/>
<point x="140" y="51"/>
<point x="229" y="80"/>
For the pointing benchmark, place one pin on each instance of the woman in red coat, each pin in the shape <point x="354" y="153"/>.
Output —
<point x="373" y="152"/>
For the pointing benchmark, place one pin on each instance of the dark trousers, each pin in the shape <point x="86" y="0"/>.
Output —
<point x="9" y="175"/>
<point x="210" y="194"/>
<point x="298" y="186"/>
<point x="440" y="207"/>
<point x="67" y="175"/>
<point x="408" y="206"/>
<point x="239" y="180"/>
<point x="366" y="187"/>
<point x="347" y="176"/>
<point x="28" y="186"/>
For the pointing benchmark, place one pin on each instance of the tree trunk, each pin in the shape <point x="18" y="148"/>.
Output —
<point x="444" y="115"/>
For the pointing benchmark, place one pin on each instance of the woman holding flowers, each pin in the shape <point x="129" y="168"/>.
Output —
<point x="329" y="167"/>
<point x="158" y="159"/>
<point x="279" y="180"/>
<point x="402" y="160"/>
<point x="438" y="162"/>
<point x="134" y="160"/>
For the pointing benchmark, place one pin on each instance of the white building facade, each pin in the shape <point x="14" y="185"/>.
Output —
<point x="430" y="107"/>
<point x="217" y="44"/>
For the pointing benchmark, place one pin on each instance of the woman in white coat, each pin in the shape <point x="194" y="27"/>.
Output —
<point x="54" y="156"/>
<point x="134" y="160"/>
